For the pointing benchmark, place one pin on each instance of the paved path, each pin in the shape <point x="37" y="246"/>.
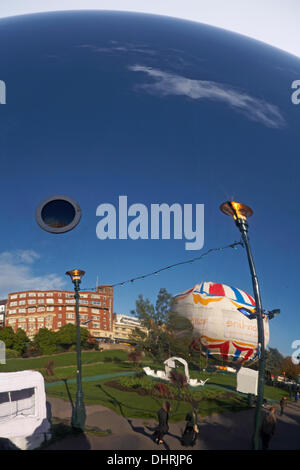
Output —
<point x="217" y="432"/>
<point x="91" y="379"/>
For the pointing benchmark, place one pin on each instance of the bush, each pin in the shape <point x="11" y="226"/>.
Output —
<point x="135" y="357"/>
<point x="33" y="350"/>
<point x="162" y="389"/>
<point x="116" y="359"/>
<point x="140" y="375"/>
<point x="11" y="353"/>
<point x="178" y="379"/>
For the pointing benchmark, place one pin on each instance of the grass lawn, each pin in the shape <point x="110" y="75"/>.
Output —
<point x="88" y="370"/>
<point x="61" y="360"/>
<point x="146" y="406"/>
<point x="93" y="364"/>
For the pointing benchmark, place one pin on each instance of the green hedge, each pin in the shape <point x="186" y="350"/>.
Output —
<point x="11" y="353"/>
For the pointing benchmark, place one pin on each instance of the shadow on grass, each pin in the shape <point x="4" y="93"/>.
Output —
<point x="65" y="381"/>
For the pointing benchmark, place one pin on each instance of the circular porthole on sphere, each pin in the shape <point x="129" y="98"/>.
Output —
<point x="58" y="214"/>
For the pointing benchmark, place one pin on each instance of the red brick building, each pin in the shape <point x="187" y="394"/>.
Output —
<point x="35" y="309"/>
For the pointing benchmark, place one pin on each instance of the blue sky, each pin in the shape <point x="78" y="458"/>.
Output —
<point x="272" y="21"/>
<point x="188" y="115"/>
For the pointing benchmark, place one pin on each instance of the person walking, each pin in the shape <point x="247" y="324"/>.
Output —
<point x="296" y="396"/>
<point x="163" y="426"/>
<point x="191" y="431"/>
<point x="283" y="404"/>
<point x="268" y="428"/>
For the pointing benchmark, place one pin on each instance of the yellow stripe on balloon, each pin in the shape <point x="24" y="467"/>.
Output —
<point x="239" y="343"/>
<point x="242" y="305"/>
<point x="197" y="298"/>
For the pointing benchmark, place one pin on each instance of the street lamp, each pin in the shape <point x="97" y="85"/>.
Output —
<point x="240" y="212"/>
<point x="78" y="412"/>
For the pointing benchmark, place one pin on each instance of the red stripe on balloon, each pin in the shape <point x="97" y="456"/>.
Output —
<point x="216" y="289"/>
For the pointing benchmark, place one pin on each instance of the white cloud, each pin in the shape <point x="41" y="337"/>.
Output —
<point x="16" y="273"/>
<point x="253" y="108"/>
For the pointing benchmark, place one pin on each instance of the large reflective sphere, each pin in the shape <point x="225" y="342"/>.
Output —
<point x="101" y="105"/>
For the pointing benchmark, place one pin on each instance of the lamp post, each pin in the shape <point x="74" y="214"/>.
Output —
<point x="240" y="212"/>
<point x="78" y="412"/>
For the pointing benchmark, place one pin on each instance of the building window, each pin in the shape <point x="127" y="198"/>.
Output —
<point x="50" y="301"/>
<point x="96" y="324"/>
<point x="71" y="321"/>
<point x="70" y="315"/>
<point x="41" y="309"/>
<point x="95" y="302"/>
<point x="70" y="308"/>
<point x="49" y="294"/>
<point x="14" y="296"/>
<point x="60" y="301"/>
<point x="41" y="294"/>
<point x="59" y="323"/>
<point x="70" y="301"/>
<point x="12" y="304"/>
<point x="12" y="311"/>
<point x="22" y="296"/>
<point x="50" y="309"/>
<point x="31" y="310"/>
<point x="32" y="294"/>
<point x="31" y="302"/>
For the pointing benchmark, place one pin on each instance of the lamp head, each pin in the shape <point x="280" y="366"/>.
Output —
<point x="239" y="212"/>
<point x="236" y="210"/>
<point x="75" y="274"/>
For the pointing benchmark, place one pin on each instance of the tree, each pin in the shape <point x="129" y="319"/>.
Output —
<point x="274" y="361"/>
<point x="168" y="333"/>
<point x="7" y="335"/>
<point x="46" y="341"/>
<point x="135" y="357"/>
<point x="66" y="335"/>
<point x="21" y="341"/>
<point x="290" y="370"/>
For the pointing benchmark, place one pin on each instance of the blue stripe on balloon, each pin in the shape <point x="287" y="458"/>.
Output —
<point x="238" y="295"/>
<point x="236" y="355"/>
